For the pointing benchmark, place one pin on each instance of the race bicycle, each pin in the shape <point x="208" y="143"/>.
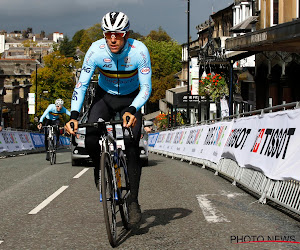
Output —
<point x="51" y="142"/>
<point x="113" y="177"/>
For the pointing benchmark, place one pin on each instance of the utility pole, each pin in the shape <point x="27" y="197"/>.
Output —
<point x="188" y="63"/>
<point x="36" y="92"/>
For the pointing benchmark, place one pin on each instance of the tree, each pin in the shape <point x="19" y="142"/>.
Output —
<point x="56" y="78"/>
<point x="135" y="35"/>
<point x="77" y="38"/>
<point x="90" y="35"/>
<point x="165" y="61"/>
<point x="67" y="48"/>
<point x="160" y="35"/>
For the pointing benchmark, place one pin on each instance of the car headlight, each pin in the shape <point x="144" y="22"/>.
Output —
<point x="143" y="151"/>
<point x="75" y="151"/>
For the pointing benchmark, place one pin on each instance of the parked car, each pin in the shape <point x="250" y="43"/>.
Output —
<point x="80" y="156"/>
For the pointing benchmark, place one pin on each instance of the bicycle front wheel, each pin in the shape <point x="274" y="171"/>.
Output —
<point x="51" y="151"/>
<point x="124" y="190"/>
<point x="108" y="198"/>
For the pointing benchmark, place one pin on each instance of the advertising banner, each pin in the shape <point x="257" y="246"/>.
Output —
<point x="38" y="140"/>
<point x="269" y="143"/>
<point x="64" y="140"/>
<point x="25" y="140"/>
<point x="152" y="138"/>
<point x="205" y="141"/>
<point x="3" y="146"/>
<point x="12" y="141"/>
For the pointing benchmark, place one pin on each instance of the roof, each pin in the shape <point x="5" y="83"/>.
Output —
<point x="13" y="67"/>
<point x="245" y="25"/>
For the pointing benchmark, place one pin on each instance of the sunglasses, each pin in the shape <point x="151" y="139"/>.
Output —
<point x="113" y="34"/>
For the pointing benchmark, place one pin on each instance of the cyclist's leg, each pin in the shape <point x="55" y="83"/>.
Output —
<point x="134" y="171"/>
<point x="133" y="156"/>
<point x="98" y="110"/>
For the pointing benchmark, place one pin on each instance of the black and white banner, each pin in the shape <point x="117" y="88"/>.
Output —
<point x="268" y="143"/>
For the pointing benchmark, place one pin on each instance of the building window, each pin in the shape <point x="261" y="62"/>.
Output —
<point x="274" y="12"/>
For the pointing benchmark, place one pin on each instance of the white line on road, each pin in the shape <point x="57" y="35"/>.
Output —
<point x="80" y="173"/>
<point x="1" y="241"/>
<point x="211" y="214"/>
<point x="48" y="200"/>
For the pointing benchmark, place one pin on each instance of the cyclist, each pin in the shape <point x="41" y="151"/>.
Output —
<point x="51" y="116"/>
<point x="124" y="86"/>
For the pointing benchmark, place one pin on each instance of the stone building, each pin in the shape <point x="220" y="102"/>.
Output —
<point x="15" y="75"/>
<point x="276" y="45"/>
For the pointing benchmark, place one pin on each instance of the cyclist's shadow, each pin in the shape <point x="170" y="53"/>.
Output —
<point x="155" y="217"/>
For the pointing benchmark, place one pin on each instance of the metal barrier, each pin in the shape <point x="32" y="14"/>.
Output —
<point x="283" y="193"/>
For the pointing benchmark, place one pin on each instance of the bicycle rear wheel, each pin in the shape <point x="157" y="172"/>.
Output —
<point x="125" y="189"/>
<point x="108" y="198"/>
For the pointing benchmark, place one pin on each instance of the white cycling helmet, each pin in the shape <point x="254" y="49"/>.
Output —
<point x="59" y="102"/>
<point x="115" y="21"/>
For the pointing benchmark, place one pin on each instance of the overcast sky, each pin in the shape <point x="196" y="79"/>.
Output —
<point x="69" y="16"/>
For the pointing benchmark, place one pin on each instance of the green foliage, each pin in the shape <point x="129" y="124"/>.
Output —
<point x="67" y="48"/>
<point x="165" y="61"/>
<point x="90" y="35"/>
<point x="135" y="35"/>
<point x="160" y="35"/>
<point x="77" y="38"/>
<point x="55" y="80"/>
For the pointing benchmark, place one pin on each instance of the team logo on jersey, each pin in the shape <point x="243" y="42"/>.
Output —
<point x="74" y="96"/>
<point x="107" y="60"/>
<point x="107" y="65"/>
<point x="102" y="46"/>
<point x="145" y="71"/>
<point x="78" y="85"/>
<point x="86" y="69"/>
<point x="127" y="59"/>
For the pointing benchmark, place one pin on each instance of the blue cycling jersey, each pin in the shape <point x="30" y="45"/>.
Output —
<point x="120" y="74"/>
<point x="51" y="113"/>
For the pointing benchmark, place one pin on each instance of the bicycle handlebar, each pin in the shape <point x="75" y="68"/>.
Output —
<point x="98" y="124"/>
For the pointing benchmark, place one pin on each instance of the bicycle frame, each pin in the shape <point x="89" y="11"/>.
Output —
<point x="106" y="140"/>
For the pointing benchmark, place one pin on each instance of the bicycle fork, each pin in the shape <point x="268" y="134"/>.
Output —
<point x="115" y="171"/>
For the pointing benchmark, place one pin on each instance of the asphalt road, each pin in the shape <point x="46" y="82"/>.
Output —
<point x="183" y="206"/>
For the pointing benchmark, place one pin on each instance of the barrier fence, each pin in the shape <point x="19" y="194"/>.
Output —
<point x="258" y="150"/>
<point x="22" y="142"/>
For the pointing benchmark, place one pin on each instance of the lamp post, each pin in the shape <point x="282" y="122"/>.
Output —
<point x="188" y="64"/>
<point x="36" y="88"/>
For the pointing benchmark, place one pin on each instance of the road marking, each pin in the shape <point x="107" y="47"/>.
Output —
<point x="80" y="173"/>
<point x="1" y="241"/>
<point x="211" y="214"/>
<point x="48" y="200"/>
